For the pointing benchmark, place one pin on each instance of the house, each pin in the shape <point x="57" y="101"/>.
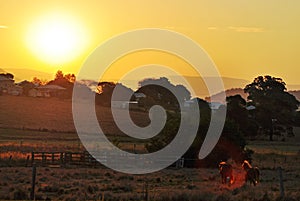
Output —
<point x="188" y="103"/>
<point x="215" y="105"/>
<point x="37" y="93"/>
<point x="6" y="84"/>
<point x="138" y="96"/>
<point x="51" y="90"/>
<point x="124" y="104"/>
<point x="15" y="90"/>
<point x="46" y="91"/>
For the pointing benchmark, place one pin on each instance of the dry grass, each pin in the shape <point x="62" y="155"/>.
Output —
<point x="29" y="124"/>
<point x="22" y="119"/>
<point x="53" y="115"/>
<point x="169" y="184"/>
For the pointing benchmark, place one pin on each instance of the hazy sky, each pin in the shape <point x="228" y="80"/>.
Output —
<point x="245" y="38"/>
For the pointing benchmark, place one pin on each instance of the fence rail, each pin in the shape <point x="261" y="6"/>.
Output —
<point x="63" y="158"/>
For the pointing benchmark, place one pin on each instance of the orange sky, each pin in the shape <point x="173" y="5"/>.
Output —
<point x="244" y="38"/>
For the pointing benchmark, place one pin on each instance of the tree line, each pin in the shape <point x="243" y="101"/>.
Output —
<point x="267" y="107"/>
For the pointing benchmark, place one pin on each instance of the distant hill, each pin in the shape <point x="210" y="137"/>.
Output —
<point x="199" y="86"/>
<point x="240" y="91"/>
<point x="233" y="85"/>
<point x="293" y="87"/>
<point x="296" y="94"/>
<point x="26" y="74"/>
<point x="229" y="92"/>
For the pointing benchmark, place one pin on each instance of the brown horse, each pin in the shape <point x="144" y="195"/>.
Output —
<point x="226" y="173"/>
<point x="252" y="173"/>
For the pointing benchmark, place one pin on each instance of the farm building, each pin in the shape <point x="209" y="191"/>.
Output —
<point x="8" y="86"/>
<point x="124" y="104"/>
<point x="5" y="84"/>
<point x="139" y="96"/>
<point x="46" y="91"/>
<point x="215" y="105"/>
<point x="15" y="90"/>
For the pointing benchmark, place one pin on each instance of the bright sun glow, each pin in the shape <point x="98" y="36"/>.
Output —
<point x="57" y="38"/>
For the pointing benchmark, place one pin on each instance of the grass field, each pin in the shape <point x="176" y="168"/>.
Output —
<point x="37" y="124"/>
<point x="169" y="184"/>
<point x="53" y="114"/>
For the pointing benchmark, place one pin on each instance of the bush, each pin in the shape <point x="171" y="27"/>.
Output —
<point x="222" y="198"/>
<point x="265" y="198"/>
<point x="20" y="194"/>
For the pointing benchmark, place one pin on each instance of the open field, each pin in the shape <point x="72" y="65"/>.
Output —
<point x="169" y="184"/>
<point x="82" y="183"/>
<point x="53" y="115"/>
<point x="22" y="119"/>
<point x="49" y="127"/>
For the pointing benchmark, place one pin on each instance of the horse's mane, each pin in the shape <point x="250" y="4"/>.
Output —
<point x="246" y="164"/>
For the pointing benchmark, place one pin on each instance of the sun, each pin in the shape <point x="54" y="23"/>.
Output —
<point x="57" y="38"/>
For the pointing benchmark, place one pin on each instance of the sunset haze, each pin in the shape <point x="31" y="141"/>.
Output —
<point x="244" y="38"/>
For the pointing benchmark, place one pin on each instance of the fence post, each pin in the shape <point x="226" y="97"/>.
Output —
<point x="43" y="159"/>
<point x="27" y="161"/>
<point x="52" y="158"/>
<point x="61" y="158"/>
<point x="32" y="193"/>
<point x="182" y="163"/>
<point x="32" y="158"/>
<point x="9" y="161"/>
<point x="102" y="196"/>
<point x="281" y="182"/>
<point x="146" y="192"/>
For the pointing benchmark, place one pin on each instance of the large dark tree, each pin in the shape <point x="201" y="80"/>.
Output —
<point x="62" y="81"/>
<point x="297" y="118"/>
<point x="272" y="101"/>
<point x="105" y="91"/>
<point x="65" y="81"/>
<point x="205" y="115"/>
<point x="172" y="126"/>
<point x="159" y="91"/>
<point x="237" y="112"/>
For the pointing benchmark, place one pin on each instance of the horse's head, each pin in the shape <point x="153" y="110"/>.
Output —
<point x="246" y="165"/>
<point x="221" y="164"/>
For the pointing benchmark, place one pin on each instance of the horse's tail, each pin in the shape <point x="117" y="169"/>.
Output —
<point x="257" y="174"/>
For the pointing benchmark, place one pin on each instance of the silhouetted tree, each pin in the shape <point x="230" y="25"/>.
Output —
<point x="105" y="92"/>
<point x="205" y="115"/>
<point x="65" y="82"/>
<point x="62" y="81"/>
<point x="166" y="135"/>
<point x="159" y="91"/>
<point x="237" y="112"/>
<point x="59" y="75"/>
<point x="106" y="88"/>
<point x="272" y="101"/>
<point x="7" y="75"/>
<point x="70" y="77"/>
<point x="37" y="82"/>
<point x="297" y="118"/>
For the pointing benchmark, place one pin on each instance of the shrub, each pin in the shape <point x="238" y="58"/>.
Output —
<point x="222" y="198"/>
<point x="20" y="194"/>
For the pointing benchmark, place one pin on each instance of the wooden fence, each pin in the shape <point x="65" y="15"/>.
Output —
<point x="63" y="158"/>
